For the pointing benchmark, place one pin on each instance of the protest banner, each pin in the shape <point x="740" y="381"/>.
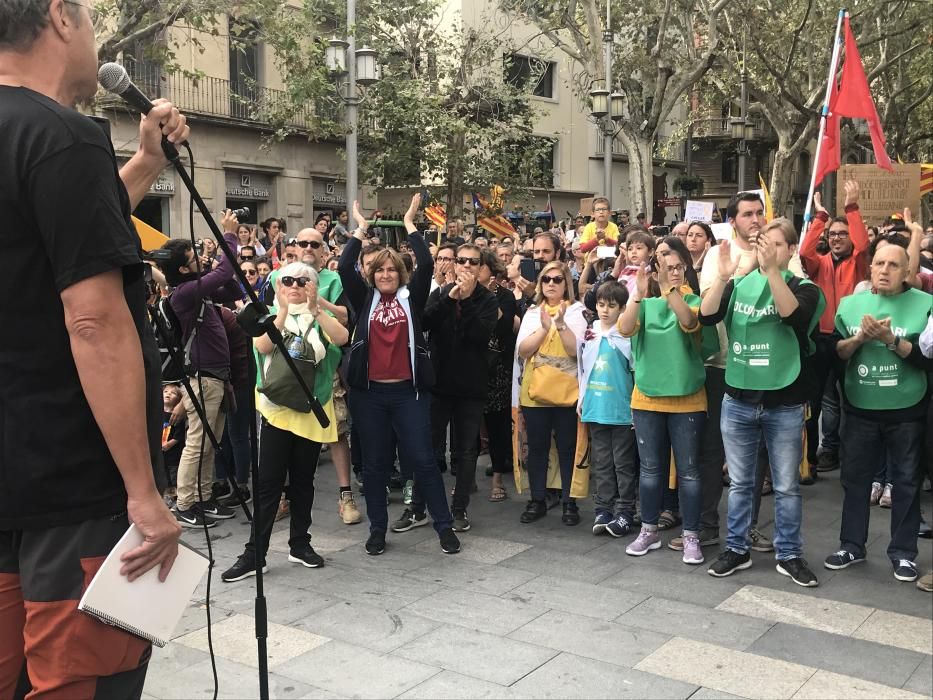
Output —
<point x="881" y="193"/>
<point x="699" y="211"/>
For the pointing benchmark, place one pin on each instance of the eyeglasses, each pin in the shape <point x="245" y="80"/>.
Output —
<point x="250" y="273"/>
<point x="289" y="281"/>
<point x="600" y="209"/>
<point x="547" y="279"/>
<point x="838" y="234"/>
<point x="474" y="262"/>
<point x="676" y="268"/>
<point x="305" y="244"/>
<point x="91" y="11"/>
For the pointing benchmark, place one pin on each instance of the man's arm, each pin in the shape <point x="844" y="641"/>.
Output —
<point x="108" y="357"/>
<point x="149" y="161"/>
<point x="808" y="255"/>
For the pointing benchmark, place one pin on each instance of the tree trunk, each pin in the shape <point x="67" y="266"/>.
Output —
<point x="640" y="171"/>
<point x="781" y="185"/>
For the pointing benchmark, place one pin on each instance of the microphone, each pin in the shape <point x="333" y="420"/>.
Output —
<point x="114" y="79"/>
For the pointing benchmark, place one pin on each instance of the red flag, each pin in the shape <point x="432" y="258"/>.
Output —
<point x="854" y="98"/>
<point x="830" y="154"/>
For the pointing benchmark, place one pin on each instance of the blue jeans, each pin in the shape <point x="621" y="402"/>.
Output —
<point x="390" y="412"/>
<point x="867" y="442"/>
<point x="744" y="426"/>
<point x="235" y="442"/>
<point x="657" y="433"/>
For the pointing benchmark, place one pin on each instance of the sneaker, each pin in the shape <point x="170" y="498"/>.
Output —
<point x="410" y="519"/>
<point x="231" y="500"/>
<point x="193" y="518"/>
<point x="925" y="582"/>
<point x="885" y="500"/>
<point x="827" y="461"/>
<point x="603" y="518"/>
<point x="376" y="544"/>
<point x="729" y="562"/>
<point x="346" y="508"/>
<point x="708" y="537"/>
<point x="450" y="543"/>
<point x="395" y="481"/>
<point x="876" y="489"/>
<point x="842" y="560"/>
<point x="905" y="570"/>
<point x="620" y="526"/>
<point x="245" y="567"/>
<point x="925" y="531"/>
<point x="644" y="543"/>
<point x="760" y="543"/>
<point x="213" y="510"/>
<point x="571" y="514"/>
<point x="358" y="476"/>
<point x="535" y="510"/>
<point x="461" y="521"/>
<point x="306" y="556"/>
<point x="406" y="492"/>
<point x="798" y="571"/>
<point x="219" y="489"/>
<point x="693" y="554"/>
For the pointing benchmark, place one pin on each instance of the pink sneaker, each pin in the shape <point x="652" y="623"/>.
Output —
<point x="876" y="490"/>
<point x="693" y="553"/>
<point x="644" y="543"/>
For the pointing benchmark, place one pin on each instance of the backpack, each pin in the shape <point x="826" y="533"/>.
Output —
<point x="170" y="338"/>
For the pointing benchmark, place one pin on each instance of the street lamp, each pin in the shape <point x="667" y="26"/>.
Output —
<point x="606" y="111"/>
<point x="335" y="57"/>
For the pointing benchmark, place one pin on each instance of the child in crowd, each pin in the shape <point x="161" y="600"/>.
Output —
<point x="606" y="384"/>
<point x="639" y="246"/>
<point x="173" y="437"/>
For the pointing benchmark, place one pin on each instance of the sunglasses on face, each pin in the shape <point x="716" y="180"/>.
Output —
<point x="292" y="281"/>
<point x="312" y="244"/>
<point x="250" y="273"/>
<point x="247" y="257"/>
<point x="474" y="262"/>
<point x="547" y="279"/>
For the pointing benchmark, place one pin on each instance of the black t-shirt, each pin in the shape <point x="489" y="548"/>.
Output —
<point x="64" y="217"/>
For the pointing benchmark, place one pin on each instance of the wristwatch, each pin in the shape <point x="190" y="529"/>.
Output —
<point x="892" y="346"/>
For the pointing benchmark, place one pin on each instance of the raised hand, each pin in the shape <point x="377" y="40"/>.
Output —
<point x="767" y="254"/>
<point x="358" y="217"/>
<point x="546" y="320"/>
<point x="818" y="203"/>
<point x="852" y="191"/>
<point x="641" y="283"/>
<point x="413" y="209"/>
<point x="467" y="283"/>
<point x="727" y="266"/>
<point x="228" y="222"/>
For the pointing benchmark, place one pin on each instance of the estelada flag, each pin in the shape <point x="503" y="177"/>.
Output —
<point x="926" y="178"/>
<point x="496" y="224"/>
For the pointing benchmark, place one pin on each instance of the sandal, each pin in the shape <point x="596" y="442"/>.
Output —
<point x="667" y="520"/>
<point x="497" y="494"/>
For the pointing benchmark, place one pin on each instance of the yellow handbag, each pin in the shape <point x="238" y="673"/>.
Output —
<point x="553" y="380"/>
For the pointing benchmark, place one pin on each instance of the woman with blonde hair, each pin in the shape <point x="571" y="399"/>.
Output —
<point x="545" y="385"/>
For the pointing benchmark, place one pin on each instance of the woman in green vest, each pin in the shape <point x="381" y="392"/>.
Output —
<point x="669" y="399"/>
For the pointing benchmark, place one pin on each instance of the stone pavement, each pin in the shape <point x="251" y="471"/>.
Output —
<point x="548" y="611"/>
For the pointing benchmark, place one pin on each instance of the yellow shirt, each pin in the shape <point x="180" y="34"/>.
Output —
<point x="552" y="345"/>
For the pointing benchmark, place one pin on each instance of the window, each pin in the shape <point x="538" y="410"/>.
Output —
<point x="532" y="74"/>
<point x="730" y="168"/>
<point x="533" y="160"/>
<point x="244" y="66"/>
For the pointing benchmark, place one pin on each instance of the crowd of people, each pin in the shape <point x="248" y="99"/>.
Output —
<point x="647" y="370"/>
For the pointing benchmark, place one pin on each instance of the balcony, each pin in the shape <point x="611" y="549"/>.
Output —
<point x="719" y="127"/>
<point x="223" y="101"/>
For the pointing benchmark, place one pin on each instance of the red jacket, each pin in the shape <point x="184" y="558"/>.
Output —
<point x="836" y="280"/>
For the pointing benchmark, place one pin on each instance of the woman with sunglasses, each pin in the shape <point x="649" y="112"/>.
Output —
<point x="545" y="360"/>
<point x="289" y="440"/>
<point x="669" y="398"/>
<point x="390" y="376"/>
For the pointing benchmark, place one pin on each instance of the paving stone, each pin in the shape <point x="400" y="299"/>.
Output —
<point x="797" y="609"/>
<point x="195" y="617"/>
<point x="688" y="586"/>
<point x="448" y="685"/>
<point x="367" y="625"/>
<point x="921" y="680"/>
<point x="387" y="592"/>
<point x="485" y="550"/>
<point x="825" y="684"/>
<point x="894" y="629"/>
<point x="477" y="654"/>
<point x="235" y="682"/>
<point x="477" y="611"/>
<point x="569" y="676"/>
<point x="396" y="561"/>
<point x="579" y="567"/>
<point x="575" y="597"/>
<point x="874" y="586"/>
<point x="173" y="658"/>
<point x="354" y="672"/>
<point x="710" y="694"/>
<point x="695" y="622"/>
<point x="590" y="638"/>
<point x="461" y="573"/>
<point x="323" y="542"/>
<point x="284" y="603"/>
<point x="716" y="667"/>
<point x="832" y="652"/>
<point x="234" y="639"/>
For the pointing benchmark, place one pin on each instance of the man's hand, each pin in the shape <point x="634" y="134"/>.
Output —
<point x="852" y="191"/>
<point x="877" y="330"/>
<point x="467" y="283"/>
<point x="818" y="203"/>
<point x="358" y="217"/>
<point x="163" y="119"/>
<point x="727" y="266"/>
<point x="160" y="533"/>
<point x="228" y="222"/>
<point x="441" y="270"/>
<point x="178" y="413"/>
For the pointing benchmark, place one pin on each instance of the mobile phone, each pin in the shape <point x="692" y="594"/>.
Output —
<point x="605" y="251"/>
<point x="529" y="269"/>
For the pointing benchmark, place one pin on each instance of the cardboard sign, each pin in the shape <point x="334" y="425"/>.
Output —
<point x="880" y="193"/>
<point x="722" y="232"/>
<point x="699" y="211"/>
<point x="586" y="206"/>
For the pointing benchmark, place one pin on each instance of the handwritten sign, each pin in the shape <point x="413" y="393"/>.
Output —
<point x="699" y="211"/>
<point x="880" y="193"/>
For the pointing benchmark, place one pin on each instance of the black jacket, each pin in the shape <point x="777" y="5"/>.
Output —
<point x="360" y="296"/>
<point x="459" y="340"/>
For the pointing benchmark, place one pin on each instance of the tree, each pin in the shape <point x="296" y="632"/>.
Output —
<point x="667" y="47"/>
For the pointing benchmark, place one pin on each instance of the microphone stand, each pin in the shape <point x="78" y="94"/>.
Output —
<point x="256" y="320"/>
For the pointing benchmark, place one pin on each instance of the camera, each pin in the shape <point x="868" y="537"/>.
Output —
<point x="199" y="248"/>
<point x="240" y="214"/>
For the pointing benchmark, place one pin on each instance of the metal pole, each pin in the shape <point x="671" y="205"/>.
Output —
<point x="607" y="124"/>
<point x="743" y="115"/>
<point x="351" y="103"/>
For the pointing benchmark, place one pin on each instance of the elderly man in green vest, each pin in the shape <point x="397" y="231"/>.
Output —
<point x="886" y="397"/>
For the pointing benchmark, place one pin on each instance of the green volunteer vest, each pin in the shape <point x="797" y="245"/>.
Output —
<point x="764" y="354"/>
<point x="876" y="378"/>
<point x="668" y="361"/>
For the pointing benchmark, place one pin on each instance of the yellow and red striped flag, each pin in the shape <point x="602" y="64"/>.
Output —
<point x="926" y="178"/>
<point x="496" y="224"/>
<point x="436" y="215"/>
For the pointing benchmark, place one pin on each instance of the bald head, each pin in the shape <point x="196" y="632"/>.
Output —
<point x="312" y="247"/>
<point x="889" y="269"/>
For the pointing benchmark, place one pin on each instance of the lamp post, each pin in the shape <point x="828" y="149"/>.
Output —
<point x="606" y="108"/>
<point x="359" y="66"/>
